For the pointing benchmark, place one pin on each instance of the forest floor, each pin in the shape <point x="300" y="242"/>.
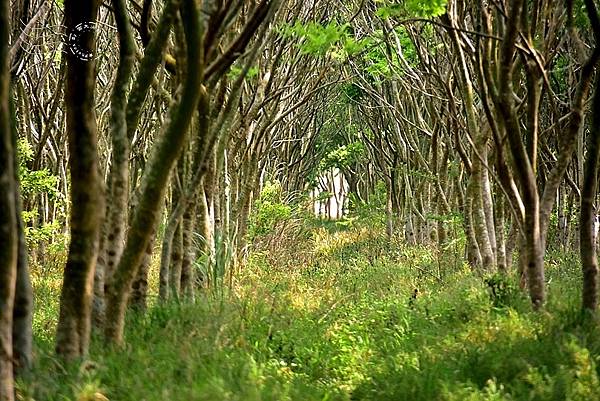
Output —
<point x="334" y="317"/>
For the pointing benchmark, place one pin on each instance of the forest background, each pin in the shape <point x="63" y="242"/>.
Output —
<point x="281" y="199"/>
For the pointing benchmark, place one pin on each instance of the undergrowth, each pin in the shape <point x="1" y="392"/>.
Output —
<point x="347" y="316"/>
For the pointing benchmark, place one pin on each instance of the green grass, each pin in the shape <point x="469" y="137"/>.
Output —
<point x="336" y="323"/>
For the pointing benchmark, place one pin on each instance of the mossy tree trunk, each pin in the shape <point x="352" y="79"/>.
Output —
<point x="589" y="190"/>
<point x="156" y="175"/>
<point x="8" y="222"/>
<point x="523" y="165"/>
<point x="479" y="196"/>
<point x="87" y="203"/>
<point x="118" y="189"/>
<point x="139" y="288"/>
<point x="187" y="267"/>
<point x="23" y="304"/>
<point x="126" y="119"/>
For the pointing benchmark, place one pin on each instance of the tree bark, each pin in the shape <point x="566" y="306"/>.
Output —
<point x="155" y="178"/>
<point x="187" y="267"/>
<point x="176" y="261"/>
<point x="8" y="222"/>
<point x="139" y="288"/>
<point x="479" y="181"/>
<point x="116" y="218"/>
<point x="73" y="331"/>
<point x="589" y="190"/>
<point x="533" y="251"/>
<point x="500" y="235"/>
<point x="23" y="304"/>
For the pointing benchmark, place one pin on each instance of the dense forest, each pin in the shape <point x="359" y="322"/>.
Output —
<point x="299" y="200"/>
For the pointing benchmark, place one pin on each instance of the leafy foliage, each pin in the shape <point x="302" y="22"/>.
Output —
<point x="342" y="157"/>
<point x="333" y="39"/>
<point x="269" y="210"/>
<point x="34" y="182"/>
<point x="377" y="60"/>
<point x="408" y="8"/>
<point x="235" y="71"/>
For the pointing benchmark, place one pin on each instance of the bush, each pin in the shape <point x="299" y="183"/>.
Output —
<point x="502" y="289"/>
<point x="269" y="211"/>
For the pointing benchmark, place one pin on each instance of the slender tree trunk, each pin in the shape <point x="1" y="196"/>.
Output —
<point x="139" y="288"/>
<point x="23" y="303"/>
<point x="155" y="178"/>
<point x="23" y="306"/>
<point x="473" y="251"/>
<point x="9" y="241"/>
<point x="206" y="231"/>
<point x="98" y="303"/>
<point x="113" y="233"/>
<point x="511" y="244"/>
<point x="187" y="266"/>
<point x="245" y="203"/>
<point x="176" y="261"/>
<point x="116" y="218"/>
<point x="480" y="217"/>
<point x="165" y="259"/>
<point x="567" y="143"/>
<point x="500" y="235"/>
<point x="73" y="331"/>
<point x="389" y="214"/>
<point x="589" y="190"/>
<point x="166" y="251"/>
<point x="524" y="170"/>
<point x="589" y="260"/>
<point x="488" y="209"/>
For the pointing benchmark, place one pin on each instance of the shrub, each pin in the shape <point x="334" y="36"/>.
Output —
<point x="269" y="211"/>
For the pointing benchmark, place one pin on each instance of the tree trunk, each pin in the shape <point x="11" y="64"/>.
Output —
<point x="488" y="209"/>
<point x="511" y="244"/>
<point x="8" y="223"/>
<point x="155" y="178"/>
<point x="187" y="266"/>
<point x="389" y="215"/>
<point x="176" y="261"/>
<point x="477" y="196"/>
<point x="73" y="331"/>
<point x="523" y="168"/>
<point x="166" y="251"/>
<point x="245" y="204"/>
<point x="587" y="246"/>
<point x="139" y="288"/>
<point x="23" y="304"/>
<point x="474" y="255"/>
<point x="116" y="218"/>
<point x="206" y="232"/>
<point x="500" y="235"/>
<point x="98" y="303"/>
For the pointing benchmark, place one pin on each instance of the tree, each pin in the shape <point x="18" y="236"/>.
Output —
<point x="8" y="222"/>
<point x="73" y="331"/>
<point x="589" y="190"/>
<point x="155" y="178"/>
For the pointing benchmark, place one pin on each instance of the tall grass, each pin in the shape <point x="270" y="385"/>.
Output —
<point x="338" y="319"/>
